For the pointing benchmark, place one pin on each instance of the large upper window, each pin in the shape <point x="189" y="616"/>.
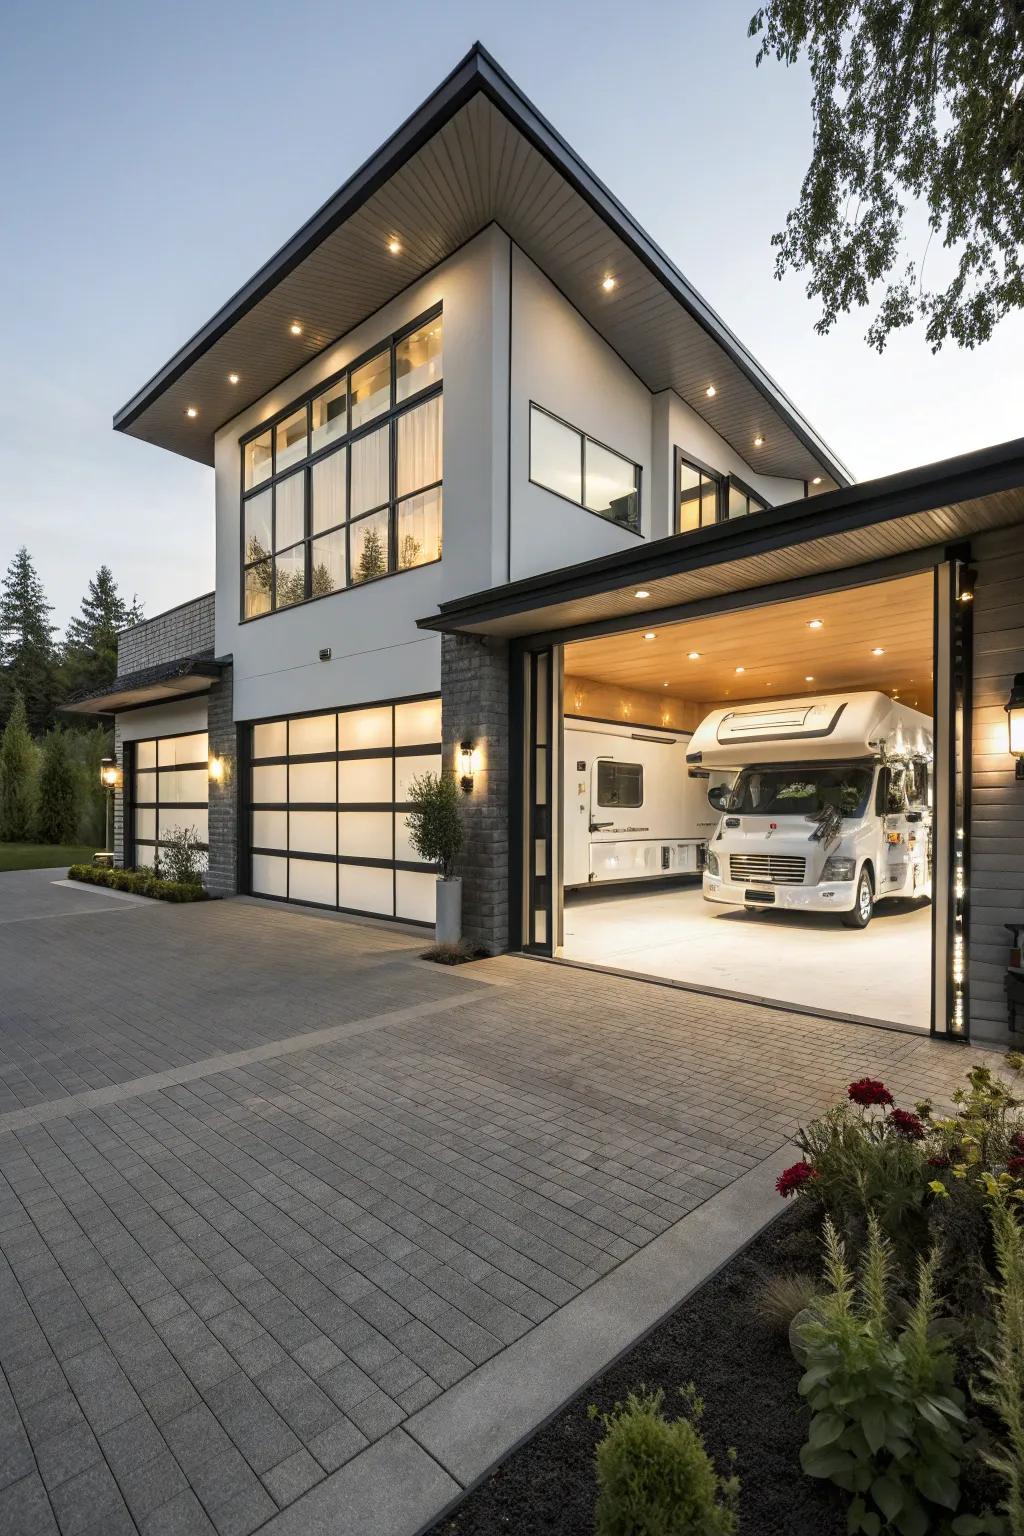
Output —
<point x="347" y="485"/>
<point x="704" y="497"/>
<point x="573" y="465"/>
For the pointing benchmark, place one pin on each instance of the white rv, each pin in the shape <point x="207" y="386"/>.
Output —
<point x="830" y="809"/>
<point x="632" y="809"/>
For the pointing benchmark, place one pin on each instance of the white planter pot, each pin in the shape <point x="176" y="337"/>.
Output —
<point x="448" y="923"/>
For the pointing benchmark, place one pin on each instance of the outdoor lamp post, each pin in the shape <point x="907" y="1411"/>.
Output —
<point x="1014" y="707"/>
<point x="111" y="779"/>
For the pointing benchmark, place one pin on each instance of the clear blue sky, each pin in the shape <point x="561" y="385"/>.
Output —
<point x="157" y="154"/>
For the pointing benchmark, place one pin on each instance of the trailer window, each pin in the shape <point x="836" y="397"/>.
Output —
<point x="620" y="784"/>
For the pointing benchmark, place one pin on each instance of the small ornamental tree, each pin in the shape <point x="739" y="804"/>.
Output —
<point x="57" y="800"/>
<point x="16" y="768"/>
<point x="435" y="825"/>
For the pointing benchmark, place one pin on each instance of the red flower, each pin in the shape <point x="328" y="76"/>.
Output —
<point x="905" y="1123"/>
<point x="793" y="1179"/>
<point x="1015" y="1165"/>
<point x="868" y="1091"/>
<point x="941" y="1161"/>
<point x="1017" y="1141"/>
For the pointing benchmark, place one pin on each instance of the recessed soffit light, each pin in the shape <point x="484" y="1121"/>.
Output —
<point x="232" y="378"/>
<point x="608" y="282"/>
<point x="693" y="656"/>
<point x="816" y="480"/>
<point x="191" y="412"/>
<point x="815" y="623"/>
<point x="295" y="328"/>
<point x="395" y="246"/>
<point x="650" y="635"/>
<point x="643" y="592"/>
<point x="740" y="669"/>
<point x="711" y="391"/>
<point x="878" y="650"/>
<point x="759" y="441"/>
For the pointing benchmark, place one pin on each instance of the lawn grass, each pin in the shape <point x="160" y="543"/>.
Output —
<point x="41" y="856"/>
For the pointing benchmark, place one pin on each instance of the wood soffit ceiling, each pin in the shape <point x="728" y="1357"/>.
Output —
<point x="477" y="168"/>
<point x="780" y="655"/>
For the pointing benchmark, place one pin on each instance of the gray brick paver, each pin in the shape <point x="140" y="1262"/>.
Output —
<point x="236" y="1280"/>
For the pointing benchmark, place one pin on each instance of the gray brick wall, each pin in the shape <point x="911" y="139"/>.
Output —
<point x="474" y="705"/>
<point x="182" y="631"/>
<point x="222" y="877"/>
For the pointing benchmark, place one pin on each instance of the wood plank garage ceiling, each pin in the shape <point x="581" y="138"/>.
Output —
<point x="779" y="652"/>
<point x="476" y="169"/>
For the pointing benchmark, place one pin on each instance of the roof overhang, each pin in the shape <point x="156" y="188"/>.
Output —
<point x="929" y="507"/>
<point x="161" y="684"/>
<point x="477" y="152"/>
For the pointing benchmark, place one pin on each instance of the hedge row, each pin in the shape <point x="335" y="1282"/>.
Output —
<point x="139" y="882"/>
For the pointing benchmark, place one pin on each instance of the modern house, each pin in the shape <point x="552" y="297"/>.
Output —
<point x="485" y="460"/>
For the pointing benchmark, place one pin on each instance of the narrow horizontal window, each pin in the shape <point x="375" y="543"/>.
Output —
<point x="582" y="470"/>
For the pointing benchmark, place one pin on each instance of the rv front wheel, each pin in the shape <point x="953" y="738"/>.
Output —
<point x="864" y="906"/>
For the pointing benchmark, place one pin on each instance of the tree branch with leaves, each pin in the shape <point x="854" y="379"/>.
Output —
<point x="914" y="101"/>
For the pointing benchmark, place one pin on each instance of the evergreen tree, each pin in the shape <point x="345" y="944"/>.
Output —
<point x="372" y="557"/>
<point x="90" y="642"/>
<point x="28" y="663"/>
<point x="57" y="800"/>
<point x="17" y="761"/>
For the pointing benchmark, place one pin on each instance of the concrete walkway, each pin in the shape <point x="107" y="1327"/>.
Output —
<point x="300" y="1233"/>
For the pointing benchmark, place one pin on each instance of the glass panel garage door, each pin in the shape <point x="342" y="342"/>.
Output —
<point x="170" y="791"/>
<point x="328" y="798"/>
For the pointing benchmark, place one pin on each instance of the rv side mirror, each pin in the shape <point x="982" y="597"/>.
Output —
<point x="720" y="797"/>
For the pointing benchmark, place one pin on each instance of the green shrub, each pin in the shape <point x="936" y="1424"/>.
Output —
<point x="137" y="882"/>
<point x="17" y="774"/>
<point x="887" y="1421"/>
<point x="1004" y="1373"/>
<point x="57" y="799"/>
<point x="863" y="1167"/>
<point x="654" y="1476"/>
<point x="182" y="859"/>
<point x="434" y="821"/>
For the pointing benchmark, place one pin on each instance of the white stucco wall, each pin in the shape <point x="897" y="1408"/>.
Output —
<point x="377" y="651"/>
<point x="561" y="363"/>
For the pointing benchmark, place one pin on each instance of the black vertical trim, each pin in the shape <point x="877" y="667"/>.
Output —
<point x="517" y="809"/>
<point x="243" y="797"/>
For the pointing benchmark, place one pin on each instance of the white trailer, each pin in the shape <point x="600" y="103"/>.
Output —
<point x="830" y="809"/>
<point x="632" y="809"/>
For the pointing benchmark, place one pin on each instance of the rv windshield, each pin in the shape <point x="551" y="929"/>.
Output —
<point x="800" y="791"/>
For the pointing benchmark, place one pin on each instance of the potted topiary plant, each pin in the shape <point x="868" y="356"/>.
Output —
<point x="435" y="831"/>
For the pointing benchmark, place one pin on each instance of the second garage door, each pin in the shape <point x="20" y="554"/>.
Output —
<point x="328" y="803"/>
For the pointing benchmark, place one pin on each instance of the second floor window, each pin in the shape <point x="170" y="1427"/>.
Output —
<point x="347" y="486"/>
<point x="704" y="497"/>
<point x="583" y="471"/>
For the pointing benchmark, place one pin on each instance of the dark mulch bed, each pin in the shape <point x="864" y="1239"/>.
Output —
<point x="748" y="1380"/>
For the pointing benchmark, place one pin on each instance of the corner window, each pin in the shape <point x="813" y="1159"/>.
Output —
<point x="583" y="471"/>
<point x="741" y="501"/>
<point x="620" y="784"/>
<point x="698" y="494"/>
<point x="347" y="486"/>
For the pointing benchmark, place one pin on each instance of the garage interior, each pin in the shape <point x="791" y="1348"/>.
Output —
<point x="665" y="679"/>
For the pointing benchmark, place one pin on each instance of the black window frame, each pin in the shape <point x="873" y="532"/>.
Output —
<point x="387" y="419"/>
<point x="585" y="438"/>
<point x="616" y="766"/>
<point x="724" y="485"/>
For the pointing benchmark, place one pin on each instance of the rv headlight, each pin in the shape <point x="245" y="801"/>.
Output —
<point x="838" y="869"/>
<point x="713" y="866"/>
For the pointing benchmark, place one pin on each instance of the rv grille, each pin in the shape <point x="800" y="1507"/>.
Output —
<point x="779" y="868"/>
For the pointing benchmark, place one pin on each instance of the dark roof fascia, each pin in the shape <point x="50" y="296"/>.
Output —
<point x="165" y="671"/>
<point x="480" y="72"/>
<point x="923" y="489"/>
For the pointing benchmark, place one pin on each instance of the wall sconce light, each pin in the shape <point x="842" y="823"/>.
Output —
<point x="216" y="769"/>
<point x="965" y="580"/>
<point x="111" y="775"/>
<point x="467" y="765"/>
<point x="1014" y="707"/>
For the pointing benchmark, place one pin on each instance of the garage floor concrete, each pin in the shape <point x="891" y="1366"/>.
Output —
<point x="881" y="972"/>
<point x="272" y="1188"/>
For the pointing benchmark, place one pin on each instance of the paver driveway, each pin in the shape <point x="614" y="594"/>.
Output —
<point x="269" y="1184"/>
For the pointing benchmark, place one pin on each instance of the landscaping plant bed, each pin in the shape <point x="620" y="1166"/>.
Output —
<point x="462" y="953"/>
<point x="137" y="882"/>
<point x="747" y="1377"/>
